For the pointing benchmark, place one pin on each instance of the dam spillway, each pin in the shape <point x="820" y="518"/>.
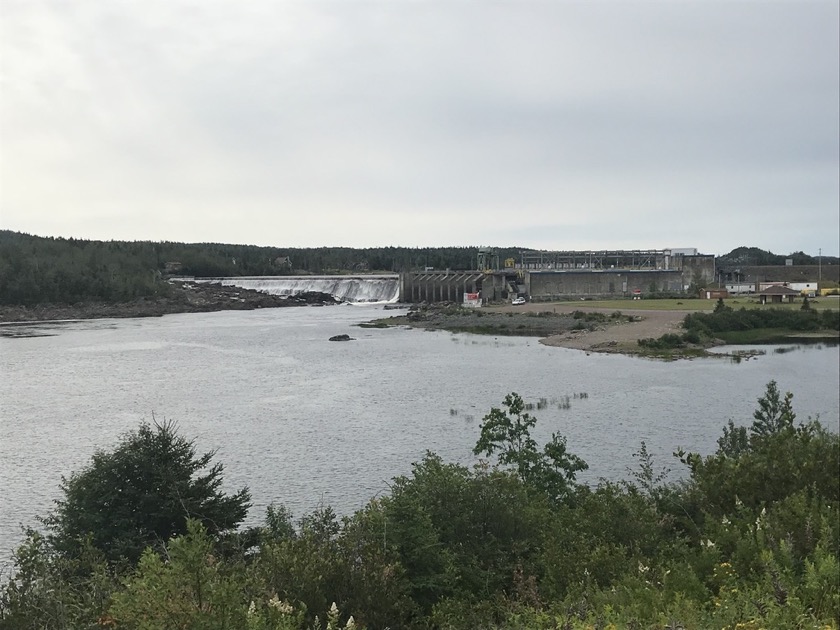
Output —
<point x="360" y="289"/>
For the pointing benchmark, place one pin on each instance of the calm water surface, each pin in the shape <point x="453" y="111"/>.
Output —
<point x="304" y="421"/>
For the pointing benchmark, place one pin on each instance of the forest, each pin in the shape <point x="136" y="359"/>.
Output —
<point x="36" y="270"/>
<point x="753" y="256"/>
<point x="748" y="536"/>
<point x="39" y="270"/>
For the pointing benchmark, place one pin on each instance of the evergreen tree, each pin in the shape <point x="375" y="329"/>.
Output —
<point x="143" y="494"/>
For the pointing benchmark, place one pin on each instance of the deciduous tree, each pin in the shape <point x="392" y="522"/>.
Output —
<point x="508" y="433"/>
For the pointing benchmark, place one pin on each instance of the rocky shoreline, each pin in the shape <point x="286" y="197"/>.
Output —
<point x="182" y="297"/>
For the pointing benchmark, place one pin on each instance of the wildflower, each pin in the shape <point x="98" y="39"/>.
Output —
<point x="351" y="624"/>
<point x="252" y="609"/>
<point x="279" y="604"/>
<point x="332" y="617"/>
<point x="643" y="568"/>
<point x="708" y="543"/>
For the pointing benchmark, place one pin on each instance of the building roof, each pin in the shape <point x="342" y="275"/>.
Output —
<point x="778" y="289"/>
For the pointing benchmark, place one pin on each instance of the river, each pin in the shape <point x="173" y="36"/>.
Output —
<point x="305" y="421"/>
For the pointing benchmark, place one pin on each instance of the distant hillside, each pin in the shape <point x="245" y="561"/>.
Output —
<point x="755" y="257"/>
<point x="36" y="270"/>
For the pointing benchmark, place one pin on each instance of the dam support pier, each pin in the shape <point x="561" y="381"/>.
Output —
<point x="439" y="286"/>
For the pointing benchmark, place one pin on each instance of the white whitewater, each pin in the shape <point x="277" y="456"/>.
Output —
<point x="379" y="289"/>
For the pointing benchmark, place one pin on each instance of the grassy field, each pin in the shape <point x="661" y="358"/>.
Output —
<point x="688" y="304"/>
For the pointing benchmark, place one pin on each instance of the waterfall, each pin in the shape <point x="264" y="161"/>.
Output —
<point x="356" y="289"/>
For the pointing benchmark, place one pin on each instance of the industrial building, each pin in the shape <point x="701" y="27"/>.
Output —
<point x="556" y="275"/>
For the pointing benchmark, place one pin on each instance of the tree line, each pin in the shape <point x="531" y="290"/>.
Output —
<point x="35" y="270"/>
<point x="736" y="326"/>
<point x="144" y="538"/>
<point x="755" y="257"/>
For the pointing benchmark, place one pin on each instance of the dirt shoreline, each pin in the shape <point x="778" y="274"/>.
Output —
<point x="564" y="325"/>
<point x="620" y="336"/>
<point x="184" y="297"/>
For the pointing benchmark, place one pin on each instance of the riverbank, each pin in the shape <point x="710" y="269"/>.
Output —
<point x="182" y="297"/>
<point x="590" y="328"/>
<point x="614" y="335"/>
<point x="560" y="325"/>
<point x="500" y="321"/>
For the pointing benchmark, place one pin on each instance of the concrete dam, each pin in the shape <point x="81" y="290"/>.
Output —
<point x="545" y="276"/>
<point x="538" y="275"/>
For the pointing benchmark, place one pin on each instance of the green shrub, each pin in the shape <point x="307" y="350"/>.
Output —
<point x="667" y="341"/>
<point x="143" y="493"/>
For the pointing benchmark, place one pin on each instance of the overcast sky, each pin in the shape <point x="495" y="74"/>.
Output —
<point x="553" y="125"/>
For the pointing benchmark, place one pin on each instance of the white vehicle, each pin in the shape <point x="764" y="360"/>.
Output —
<point x="517" y="301"/>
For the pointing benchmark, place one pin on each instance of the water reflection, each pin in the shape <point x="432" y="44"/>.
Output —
<point x="23" y="330"/>
<point x="799" y="346"/>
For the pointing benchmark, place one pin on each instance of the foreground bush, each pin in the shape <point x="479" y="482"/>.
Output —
<point x="142" y="493"/>
<point x="751" y="539"/>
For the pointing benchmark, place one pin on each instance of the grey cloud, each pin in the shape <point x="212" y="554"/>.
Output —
<point x="688" y="115"/>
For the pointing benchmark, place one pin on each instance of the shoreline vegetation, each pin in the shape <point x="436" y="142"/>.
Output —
<point x="145" y="538"/>
<point x="181" y="297"/>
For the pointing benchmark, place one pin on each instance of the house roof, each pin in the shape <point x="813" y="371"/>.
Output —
<point x="778" y="289"/>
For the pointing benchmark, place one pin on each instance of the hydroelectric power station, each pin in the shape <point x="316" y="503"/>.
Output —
<point x="557" y="275"/>
<point x="537" y="275"/>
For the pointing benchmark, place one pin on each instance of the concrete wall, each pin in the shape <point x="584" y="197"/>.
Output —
<point x="450" y="286"/>
<point x="682" y="271"/>
<point x="698" y="270"/>
<point x="549" y="285"/>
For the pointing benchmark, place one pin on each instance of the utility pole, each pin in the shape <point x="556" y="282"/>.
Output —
<point x="819" y="263"/>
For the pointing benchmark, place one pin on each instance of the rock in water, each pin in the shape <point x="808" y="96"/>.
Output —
<point x="342" y="338"/>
